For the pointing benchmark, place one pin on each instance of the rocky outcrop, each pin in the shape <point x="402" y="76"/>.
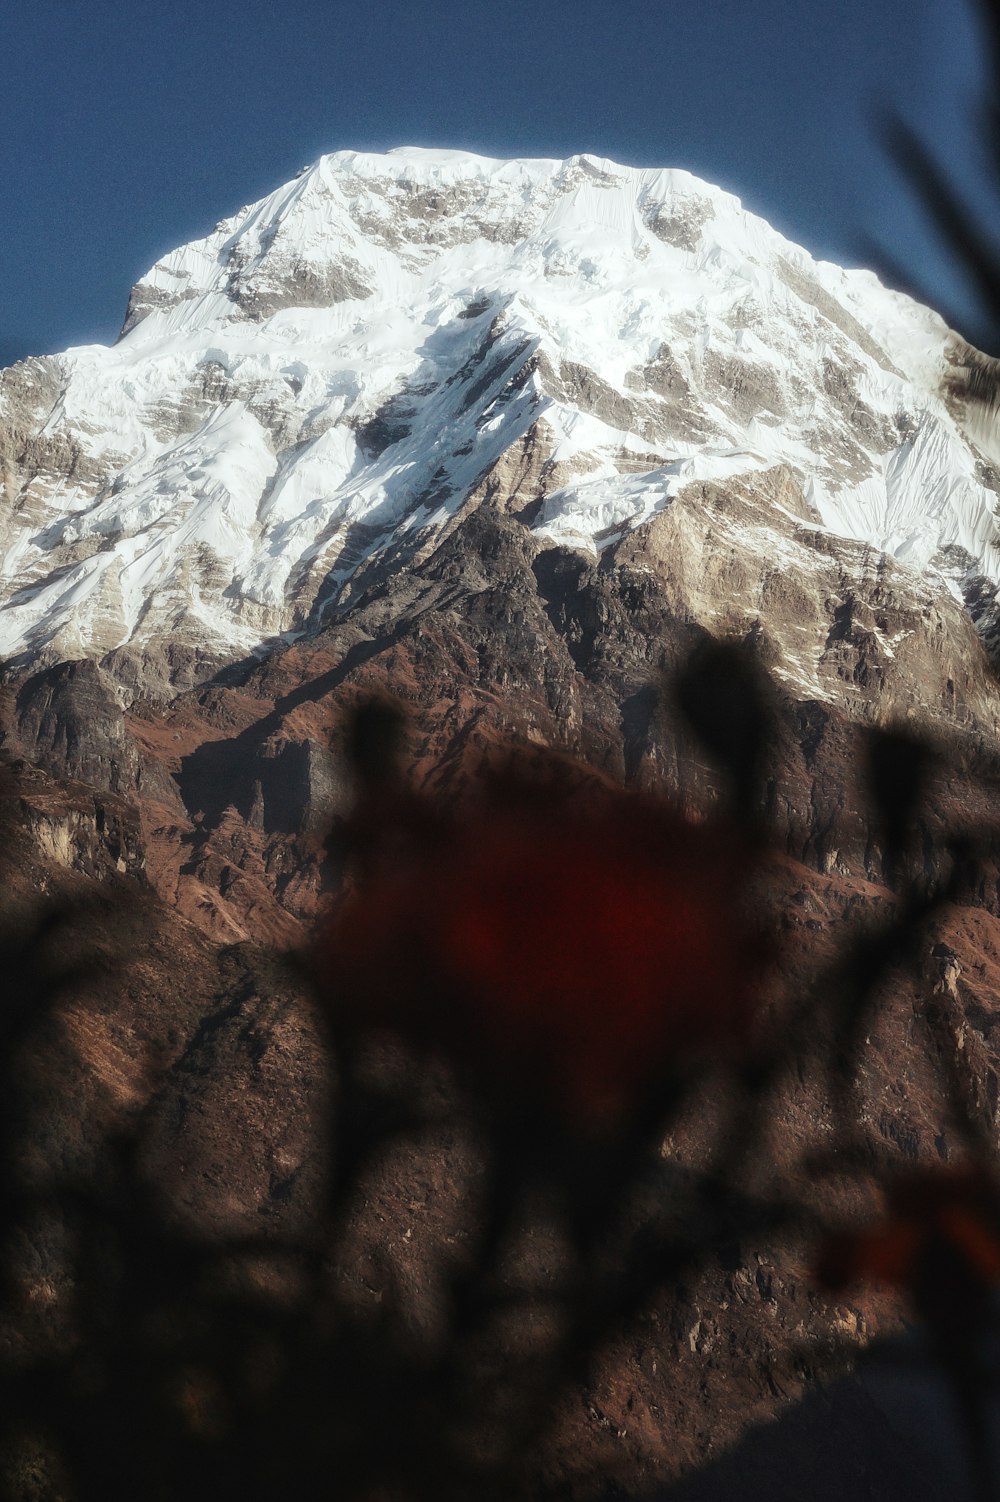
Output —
<point x="68" y="720"/>
<point x="91" y="837"/>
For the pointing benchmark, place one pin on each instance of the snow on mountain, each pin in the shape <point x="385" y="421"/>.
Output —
<point x="334" y="373"/>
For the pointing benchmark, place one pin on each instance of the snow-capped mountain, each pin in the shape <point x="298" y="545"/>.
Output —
<point x="503" y="440"/>
<point x="337" y="372"/>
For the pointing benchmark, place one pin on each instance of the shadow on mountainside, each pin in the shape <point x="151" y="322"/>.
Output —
<point x="209" y="776"/>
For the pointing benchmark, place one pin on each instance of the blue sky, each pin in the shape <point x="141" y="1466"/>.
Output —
<point x="128" y="128"/>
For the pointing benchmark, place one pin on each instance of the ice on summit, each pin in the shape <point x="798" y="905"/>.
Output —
<point x="334" y="371"/>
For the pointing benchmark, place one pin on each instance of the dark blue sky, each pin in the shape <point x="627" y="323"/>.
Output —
<point x="127" y="127"/>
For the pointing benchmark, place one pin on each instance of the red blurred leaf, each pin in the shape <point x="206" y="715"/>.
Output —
<point x="562" y="937"/>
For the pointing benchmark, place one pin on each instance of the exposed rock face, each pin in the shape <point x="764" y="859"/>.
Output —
<point x="72" y="828"/>
<point x="496" y="638"/>
<point x="68" y="720"/>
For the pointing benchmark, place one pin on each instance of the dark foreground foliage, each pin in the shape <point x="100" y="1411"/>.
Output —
<point x="564" y="974"/>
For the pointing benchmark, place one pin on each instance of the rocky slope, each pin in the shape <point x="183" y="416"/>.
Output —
<point x="504" y="440"/>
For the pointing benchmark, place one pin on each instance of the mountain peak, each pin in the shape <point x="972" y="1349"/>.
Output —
<point x="337" y="373"/>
